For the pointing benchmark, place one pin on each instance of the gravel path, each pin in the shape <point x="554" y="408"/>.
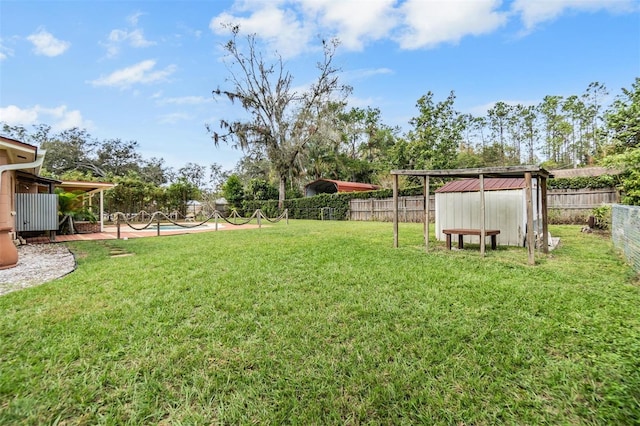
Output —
<point x="37" y="264"/>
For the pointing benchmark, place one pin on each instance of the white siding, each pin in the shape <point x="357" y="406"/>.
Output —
<point x="504" y="210"/>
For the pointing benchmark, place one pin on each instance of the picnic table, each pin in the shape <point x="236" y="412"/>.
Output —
<point x="460" y="232"/>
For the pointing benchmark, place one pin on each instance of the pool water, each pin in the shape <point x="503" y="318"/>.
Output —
<point x="171" y="227"/>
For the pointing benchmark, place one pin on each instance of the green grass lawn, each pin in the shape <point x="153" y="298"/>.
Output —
<point x="325" y="323"/>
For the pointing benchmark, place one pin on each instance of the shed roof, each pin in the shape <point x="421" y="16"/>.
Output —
<point x="490" y="184"/>
<point x="507" y="171"/>
<point x="331" y="186"/>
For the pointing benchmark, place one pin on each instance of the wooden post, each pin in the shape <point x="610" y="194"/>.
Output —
<point x="215" y="218"/>
<point x="158" y="224"/>
<point x="530" y="241"/>
<point x="404" y="209"/>
<point x="545" y="219"/>
<point x="101" y="210"/>
<point x="538" y="226"/>
<point x="426" y="212"/>
<point x="395" y="211"/>
<point x="482" y="221"/>
<point x="286" y="216"/>
<point x="259" y="213"/>
<point x="117" y="226"/>
<point x="371" y="217"/>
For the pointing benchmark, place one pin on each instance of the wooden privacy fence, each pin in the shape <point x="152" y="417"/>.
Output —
<point x="411" y="209"/>
<point x="575" y="205"/>
<point x="565" y="206"/>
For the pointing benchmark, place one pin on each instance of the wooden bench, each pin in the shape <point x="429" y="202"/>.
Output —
<point x="462" y="232"/>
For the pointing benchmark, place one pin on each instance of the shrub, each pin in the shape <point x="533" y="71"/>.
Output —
<point x="583" y="182"/>
<point x="602" y="216"/>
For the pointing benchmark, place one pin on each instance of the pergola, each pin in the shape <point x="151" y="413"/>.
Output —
<point x="89" y="189"/>
<point x="528" y="172"/>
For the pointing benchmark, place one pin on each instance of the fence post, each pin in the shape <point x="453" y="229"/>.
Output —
<point x="404" y="208"/>
<point x="286" y="215"/>
<point x="215" y="216"/>
<point x="259" y="213"/>
<point x="372" y="217"/>
<point x="158" y="224"/>
<point x="118" y="226"/>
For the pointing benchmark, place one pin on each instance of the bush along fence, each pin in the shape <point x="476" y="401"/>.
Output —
<point x="576" y="205"/>
<point x="323" y="206"/>
<point x="570" y="200"/>
<point x="625" y="232"/>
<point x="158" y="219"/>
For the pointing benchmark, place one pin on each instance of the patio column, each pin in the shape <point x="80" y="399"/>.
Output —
<point x="101" y="210"/>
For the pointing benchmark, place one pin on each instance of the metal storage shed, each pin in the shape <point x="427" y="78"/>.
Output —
<point x="528" y="172"/>
<point x="458" y="204"/>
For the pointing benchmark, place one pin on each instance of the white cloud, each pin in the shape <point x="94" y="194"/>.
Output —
<point x="142" y="73"/>
<point x="14" y="115"/>
<point x="281" y="29"/>
<point x="5" y="51"/>
<point x="70" y="119"/>
<point x="133" y="18"/>
<point x="46" y="44"/>
<point x="186" y="30"/>
<point x="133" y="37"/>
<point x="117" y="38"/>
<point x="360" y="74"/>
<point x="184" y="100"/>
<point x="289" y="25"/>
<point x="60" y="117"/>
<point x="354" y="22"/>
<point x="535" y="12"/>
<point x="430" y="23"/>
<point x="174" y="118"/>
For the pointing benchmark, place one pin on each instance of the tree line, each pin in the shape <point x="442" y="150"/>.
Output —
<point x="295" y="136"/>
<point x="290" y="137"/>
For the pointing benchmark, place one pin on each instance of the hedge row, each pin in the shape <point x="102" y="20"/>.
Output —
<point x="592" y="182"/>
<point x="311" y="207"/>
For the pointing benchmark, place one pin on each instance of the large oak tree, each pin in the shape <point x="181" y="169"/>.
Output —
<point x="280" y="120"/>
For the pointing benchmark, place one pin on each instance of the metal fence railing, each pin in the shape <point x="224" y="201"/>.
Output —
<point x="625" y="232"/>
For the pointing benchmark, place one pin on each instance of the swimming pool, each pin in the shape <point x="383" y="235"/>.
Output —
<point x="187" y="227"/>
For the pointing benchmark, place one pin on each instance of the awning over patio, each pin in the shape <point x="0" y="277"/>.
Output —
<point x="89" y="189"/>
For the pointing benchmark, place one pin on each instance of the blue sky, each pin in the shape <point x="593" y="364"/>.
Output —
<point x="145" y="70"/>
